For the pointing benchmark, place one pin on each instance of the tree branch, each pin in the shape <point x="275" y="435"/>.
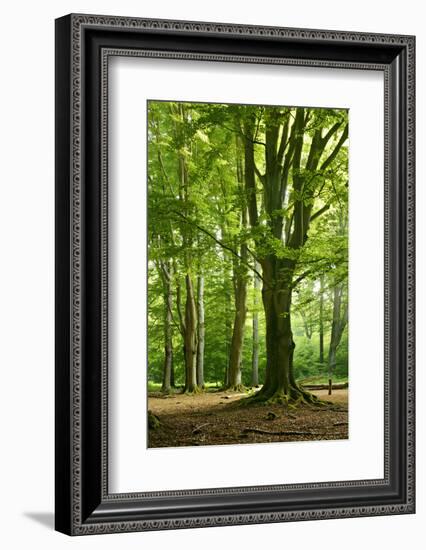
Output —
<point x="332" y="130"/>
<point x="258" y="174"/>
<point x="284" y="141"/>
<point x="300" y="278"/>
<point x="319" y="212"/>
<point x="333" y="155"/>
<point x="220" y="243"/>
<point x="165" y="276"/>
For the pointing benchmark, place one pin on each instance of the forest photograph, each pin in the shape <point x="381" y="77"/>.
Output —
<point x="247" y="275"/>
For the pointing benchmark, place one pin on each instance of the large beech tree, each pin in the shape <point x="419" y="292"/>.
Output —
<point x="301" y="147"/>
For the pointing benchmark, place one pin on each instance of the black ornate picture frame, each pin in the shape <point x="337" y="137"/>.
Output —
<point x="84" y="43"/>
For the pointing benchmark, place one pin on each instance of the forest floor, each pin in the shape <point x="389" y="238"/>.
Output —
<point x="215" y="418"/>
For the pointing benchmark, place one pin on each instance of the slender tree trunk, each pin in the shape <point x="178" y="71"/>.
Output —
<point x="172" y="376"/>
<point x="228" y="337"/>
<point x="255" y="349"/>
<point x="190" y="337"/>
<point x="337" y="327"/>
<point x="201" y="331"/>
<point x="168" y="335"/>
<point x="236" y="353"/>
<point x="227" y="295"/>
<point x="333" y="338"/>
<point x="321" y="322"/>
<point x="240" y="289"/>
<point x="189" y="324"/>
<point x="307" y="326"/>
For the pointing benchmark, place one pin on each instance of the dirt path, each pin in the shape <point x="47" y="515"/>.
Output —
<point x="213" y="418"/>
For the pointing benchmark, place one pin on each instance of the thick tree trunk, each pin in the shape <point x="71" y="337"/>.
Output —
<point x="201" y="332"/>
<point x="280" y="385"/>
<point x="190" y="338"/>
<point x="255" y="348"/>
<point x="168" y="344"/>
<point x="276" y="297"/>
<point x="276" y="302"/>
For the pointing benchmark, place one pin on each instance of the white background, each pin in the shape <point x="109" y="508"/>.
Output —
<point x="26" y="300"/>
<point x="132" y="81"/>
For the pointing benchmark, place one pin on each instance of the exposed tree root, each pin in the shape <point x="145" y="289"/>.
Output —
<point x="197" y="429"/>
<point x="192" y="391"/>
<point x="295" y="397"/>
<point x="239" y="388"/>
<point x="285" y="432"/>
<point x="153" y="421"/>
<point x="310" y="398"/>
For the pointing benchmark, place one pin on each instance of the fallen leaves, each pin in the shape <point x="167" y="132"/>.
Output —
<point x="213" y="418"/>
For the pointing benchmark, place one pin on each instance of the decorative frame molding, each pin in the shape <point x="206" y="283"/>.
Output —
<point x="84" y="44"/>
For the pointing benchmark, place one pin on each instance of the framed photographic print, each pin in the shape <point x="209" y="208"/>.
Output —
<point x="234" y="274"/>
